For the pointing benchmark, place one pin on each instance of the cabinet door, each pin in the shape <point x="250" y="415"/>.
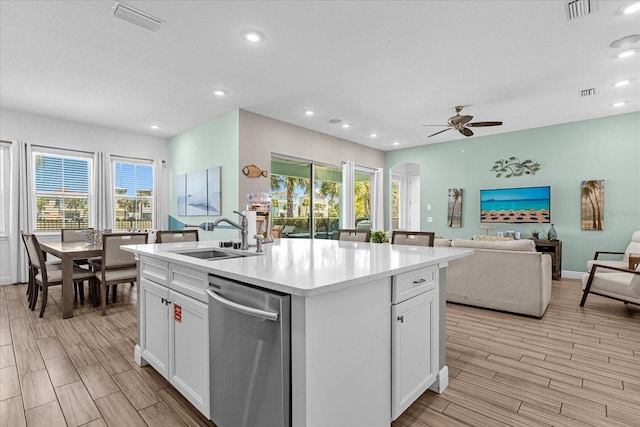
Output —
<point x="189" y="349"/>
<point x="154" y="337"/>
<point x="415" y="349"/>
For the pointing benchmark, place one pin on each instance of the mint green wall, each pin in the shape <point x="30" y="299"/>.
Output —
<point x="214" y="143"/>
<point x="607" y="148"/>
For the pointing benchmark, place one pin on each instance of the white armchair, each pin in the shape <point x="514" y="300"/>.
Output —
<point x="612" y="282"/>
<point x="633" y="247"/>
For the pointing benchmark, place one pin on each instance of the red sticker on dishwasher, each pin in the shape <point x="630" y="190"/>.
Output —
<point x="177" y="313"/>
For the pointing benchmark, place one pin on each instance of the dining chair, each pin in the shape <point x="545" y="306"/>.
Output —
<point x="45" y="275"/>
<point x="413" y="238"/>
<point x="351" y="235"/>
<point x="172" y="236"/>
<point x="117" y="266"/>
<point x="51" y="265"/>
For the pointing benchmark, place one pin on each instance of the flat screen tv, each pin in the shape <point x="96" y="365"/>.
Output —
<point x="516" y="205"/>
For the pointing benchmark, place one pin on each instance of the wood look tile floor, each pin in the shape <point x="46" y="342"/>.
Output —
<point x="573" y="367"/>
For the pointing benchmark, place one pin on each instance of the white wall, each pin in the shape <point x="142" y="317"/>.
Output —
<point x="51" y="132"/>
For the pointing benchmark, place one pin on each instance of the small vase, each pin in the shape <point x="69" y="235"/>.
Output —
<point x="551" y="234"/>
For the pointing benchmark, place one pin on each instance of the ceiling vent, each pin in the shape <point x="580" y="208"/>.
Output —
<point x="587" y="92"/>
<point x="579" y="8"/>
<point x="136" y="17"/>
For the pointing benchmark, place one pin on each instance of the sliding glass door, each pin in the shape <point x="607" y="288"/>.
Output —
<point x="300" y="209"/>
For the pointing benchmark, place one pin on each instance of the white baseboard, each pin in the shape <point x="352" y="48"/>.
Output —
<point x="442" y="382"/>
<point x="568" y="274"/>
<point x="137" y="356"/>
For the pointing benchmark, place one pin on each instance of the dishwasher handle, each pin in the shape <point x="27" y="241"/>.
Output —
<point x="267" y="315"/>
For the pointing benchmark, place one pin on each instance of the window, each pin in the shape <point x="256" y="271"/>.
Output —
<point x="362" y="198"/>
<point x="396" y="195"/>
<point x="63" y="189"/>
<point x="133" y="194"/>
<point x="4" y="187"/>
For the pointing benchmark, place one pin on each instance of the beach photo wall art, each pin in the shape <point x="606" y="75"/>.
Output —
<point x="592" y="210"/>
<point x="454" y="213"/>
<point x="516" y="205"/>
<point x="199" y="193"/>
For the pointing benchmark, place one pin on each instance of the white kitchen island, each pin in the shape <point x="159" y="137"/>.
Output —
<point x="362" y="349"/>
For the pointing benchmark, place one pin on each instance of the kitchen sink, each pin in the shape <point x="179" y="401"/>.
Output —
<point x="214" y="254"/>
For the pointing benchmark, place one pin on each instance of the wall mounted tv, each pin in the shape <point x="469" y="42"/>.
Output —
<point x="516" y="205"/>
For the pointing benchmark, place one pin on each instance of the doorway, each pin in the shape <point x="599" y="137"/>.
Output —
<point x="404" y="200"/>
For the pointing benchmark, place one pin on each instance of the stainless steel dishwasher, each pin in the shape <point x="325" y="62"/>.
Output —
<point x="250" y="351"/>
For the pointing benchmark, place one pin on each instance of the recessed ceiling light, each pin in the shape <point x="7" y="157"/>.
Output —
<point x="154" y="127"/>
<point x="627" y="53"/>
<point x="632" y="8"/>
<point x="253" y="36"/>
<point x="622" y="82"/>
<point x="373" y="135"/>
<point x="396" y="143"/>
<point x="346" y="125"/>
<point x="309" y="112"/>
<point x="219" y="92"/>
<point x="619" y="104"/>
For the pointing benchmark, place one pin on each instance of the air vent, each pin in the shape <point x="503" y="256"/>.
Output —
<point x="578" y="8"/>
<point x="587" y="92"/>
<point x="136" y="17"/>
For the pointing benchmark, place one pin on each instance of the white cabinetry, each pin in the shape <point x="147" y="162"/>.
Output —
<point x="174" y="327"/>
<point x="415" y="336"/>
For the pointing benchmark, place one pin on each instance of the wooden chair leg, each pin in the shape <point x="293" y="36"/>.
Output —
<point x="588" y="287"/>
<point x="103" y="302"/>
<point x="45" y="296"/>
<point x="114" y="289"/>
<point x="34" y="296"/>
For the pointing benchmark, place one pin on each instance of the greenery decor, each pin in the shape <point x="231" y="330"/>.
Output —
<point x="514" y="167"/>
<point x="378" y="237"/>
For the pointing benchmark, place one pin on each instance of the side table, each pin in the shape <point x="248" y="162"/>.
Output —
<point x="634" y="260"/>
<point x="553" y="248"/>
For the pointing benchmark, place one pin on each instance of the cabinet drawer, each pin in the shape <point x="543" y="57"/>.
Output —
<point x="412" y="283"/>
<point x="188" y="281"/>
<point x="154" y="270"/>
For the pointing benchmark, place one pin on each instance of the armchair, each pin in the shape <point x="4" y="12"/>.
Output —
<point x="612" y="282"/>
<point x="632" y="247"/>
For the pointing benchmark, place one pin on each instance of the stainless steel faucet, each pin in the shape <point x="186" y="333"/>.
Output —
<point x="243" y="227"/>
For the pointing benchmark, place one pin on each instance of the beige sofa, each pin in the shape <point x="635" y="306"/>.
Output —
<point x="501" y="275"/>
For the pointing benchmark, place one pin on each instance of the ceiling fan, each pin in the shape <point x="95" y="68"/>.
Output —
<point x="461" y="123"/>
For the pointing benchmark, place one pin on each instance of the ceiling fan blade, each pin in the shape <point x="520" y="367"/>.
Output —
<point x="434" y="134"/>
<point x="465" y="119"/>
<point x="482" y="124"/>
<point x="466" y="131"/>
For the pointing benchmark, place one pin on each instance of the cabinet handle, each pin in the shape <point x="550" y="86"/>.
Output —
<point x="401" y="319"/>
<point x="164" y="301"/>
<point x="419" y="281"/>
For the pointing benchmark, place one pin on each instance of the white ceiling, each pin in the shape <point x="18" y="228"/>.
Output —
<point x="384" y="66"/>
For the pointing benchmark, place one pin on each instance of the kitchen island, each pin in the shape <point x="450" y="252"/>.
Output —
<point x="363" y="346"/>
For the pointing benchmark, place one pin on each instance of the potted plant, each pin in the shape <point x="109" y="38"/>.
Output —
<point x="378" y="237"/>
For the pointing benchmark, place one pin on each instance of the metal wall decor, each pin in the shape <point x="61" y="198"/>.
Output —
<point x="514" y="167"/>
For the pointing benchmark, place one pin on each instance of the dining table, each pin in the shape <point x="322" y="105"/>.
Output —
<point x="69" y="252"/>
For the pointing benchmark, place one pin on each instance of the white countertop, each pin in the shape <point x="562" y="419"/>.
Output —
<point x="306" y="267"/>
